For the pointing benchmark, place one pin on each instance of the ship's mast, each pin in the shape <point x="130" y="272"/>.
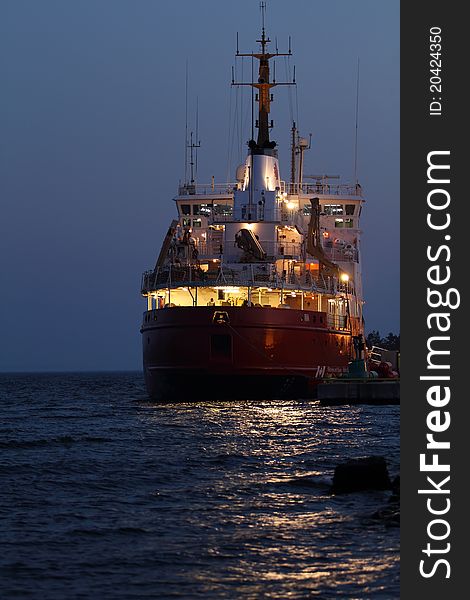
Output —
<point x="298" y="147"/>
<point x="263" y="145"/>
<point x="293" y="152"/>
<point x="193" y="146"/>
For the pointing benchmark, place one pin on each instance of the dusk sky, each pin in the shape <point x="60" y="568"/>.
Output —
<point x="92" y="117"/>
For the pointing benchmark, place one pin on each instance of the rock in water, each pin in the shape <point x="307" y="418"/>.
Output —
<point x="361" y="474"/>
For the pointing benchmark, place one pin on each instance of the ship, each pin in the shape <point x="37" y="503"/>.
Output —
<point x="256" y="291"/>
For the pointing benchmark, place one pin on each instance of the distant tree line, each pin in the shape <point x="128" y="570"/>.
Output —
<point x="390" y="342"/>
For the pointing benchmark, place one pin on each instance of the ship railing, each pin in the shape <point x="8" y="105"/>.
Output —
<point x="318" y="187"/>
<point x="341" y="254"/>
<point x="305" y="279"/>
<point x="327" y="285"/>
<point x="194" y="276"/>
<point x="274" y="250"/>
<point x="177" y="276"/>
<point x="206" y="189"/>
<point x="211" y="248"/>
<point x="338" y="322"/>
<point x="288" y="249"/>
<point x="322" y="187"/>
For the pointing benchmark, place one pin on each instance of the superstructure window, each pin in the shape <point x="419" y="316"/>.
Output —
<point x="350" y="209"/>
<point x="344" y="223"/>
<point x="196" y="222"/>
<point x="223" y="209"/>
<point x="307" y="209"/>
<point x="205" y="210"/>
<point x="186" y="222"/>
<point x="196" y="209"/>
<point x="333" y="209"/>
<point x="185" y="209"/>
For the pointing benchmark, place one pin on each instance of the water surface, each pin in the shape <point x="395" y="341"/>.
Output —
<point x="106" y="495"/>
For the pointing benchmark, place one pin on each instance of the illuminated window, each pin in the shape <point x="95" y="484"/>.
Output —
<point x="348" y="222"/>
<point x="186" y="222"/>
<point x="307" y="209"/>
<point x="223" y="209"/>
<point x="186" y="209"/>
<point x="339" y="222"/>
<point x="205" y="210"/>
<point x="333" y="209"/>
<point x="196" y="222"/>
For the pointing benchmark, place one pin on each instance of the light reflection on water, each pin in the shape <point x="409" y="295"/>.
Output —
<point x="115" y="497"/>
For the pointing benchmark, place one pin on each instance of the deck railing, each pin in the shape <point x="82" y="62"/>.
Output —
<point x="214" y="248"/>
<point x="193" y="276"/>
<point x="341" y="254"/>
<point x="321" y="187"/>
<point x="206" y="189"/>
<point x="339" y="322"/>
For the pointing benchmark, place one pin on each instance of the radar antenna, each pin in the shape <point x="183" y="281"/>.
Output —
<point x="263" y="86"/>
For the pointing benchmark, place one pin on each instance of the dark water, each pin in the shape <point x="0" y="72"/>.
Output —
<point x="104" y="495"/>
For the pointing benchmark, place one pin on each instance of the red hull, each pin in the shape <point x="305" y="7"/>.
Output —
<point x="239" y="352"/>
